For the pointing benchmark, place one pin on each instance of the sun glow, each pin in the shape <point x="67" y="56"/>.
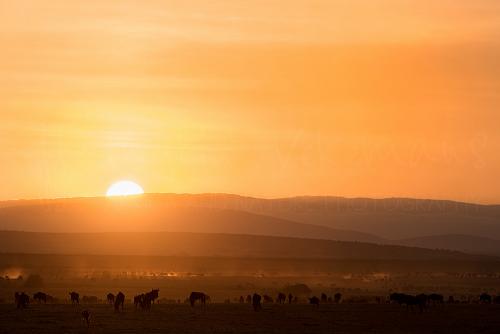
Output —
<point x="124" y="188"/>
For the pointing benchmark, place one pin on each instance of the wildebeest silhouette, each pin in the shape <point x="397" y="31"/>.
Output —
<point x="242" y="300"/>
<point x="119" y="301"/>
<point x="337" y="297"/>
<point x="153" y="295"/>
<point x="290" y="298"/>
<point x="485" y="298"/>
<point x="197" y="296"/>
<point x="256" y="298"/>
<point x="435" y="298"/>
<point x="324" y="298"/>
<point x="86" y="317"/>
<point x="451" y="300"/>
<point x="21" y="299"/>
<point x="409" y="300"/>
<point x="110" y="298"/>
<point x="137" y="300"/>
<point x="249" y="299"/>
<point x="75" y="297"/>
<point x="40" y="297"/>
<point x="268" y="299"/>
<point x="281" y="299"/>
<point x="314" y="301"/>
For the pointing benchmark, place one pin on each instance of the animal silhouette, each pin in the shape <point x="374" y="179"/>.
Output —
<point x="40" y="297"/>
<point x="86" y="317"/>
<point x="110" y="298"/>
<point x="314" y="301"/>
<point x="256" y="298"/>
<point x="281" y="299"/>
<point x="197" y="296"/>
<point x="119" y="301"/>
<point x="75" y="297"/>
<point x="21" y="299"/>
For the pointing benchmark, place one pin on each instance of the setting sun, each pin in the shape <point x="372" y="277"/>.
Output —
<point x="124" y="188"/>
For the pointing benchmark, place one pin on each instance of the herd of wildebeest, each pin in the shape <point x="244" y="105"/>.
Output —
<point x="144" y="301"/>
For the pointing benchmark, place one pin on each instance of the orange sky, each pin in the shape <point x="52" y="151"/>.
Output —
<point x="265" y="98"/>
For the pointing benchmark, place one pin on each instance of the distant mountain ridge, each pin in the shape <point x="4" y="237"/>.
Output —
<point x="214" y="244"/>
<point x="442" y="224"/>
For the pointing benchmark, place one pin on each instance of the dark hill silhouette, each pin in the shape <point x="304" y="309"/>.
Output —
<point x="211" y="244"/>
<point x="384" y="221"/>
<point x="154" y="213"/>
<point x="392" y="218"/>
<point x="463" y="243"/>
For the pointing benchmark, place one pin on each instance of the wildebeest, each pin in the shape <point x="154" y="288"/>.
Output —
<point x="256" y="298"/>
<point x="485" y="298"/>
<point x="249" y="299"/>
<point x="119" y="301"/>
<point x="314" y="301"/>
<point x="22" y="300"/>
<point x="451" y="300"/>
<point x="290" y="298"/>
<point x="268" y="299"/>
<point x="195" y="296"/>
<point x="409" y="300"/>
<point x="138" y="300"/>
<point x="337" y="297"/>
<point x="75" y="297"/>
<point x="435" y="298"/>
<point x="153" y="295"/>
<point x="110" y="298"/>
<point x="324" y="298"/>
<point x="40" y="297"/>
<point x="281" y="299"/>
<point x="242" y="300"/>
<point x="86" y="317"/>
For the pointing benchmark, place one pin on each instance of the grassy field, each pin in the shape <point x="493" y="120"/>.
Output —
<point x="240" y="318"/>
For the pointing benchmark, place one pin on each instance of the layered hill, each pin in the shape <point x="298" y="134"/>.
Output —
<point x="212" y="244"/>
<point x="155" y="213"/>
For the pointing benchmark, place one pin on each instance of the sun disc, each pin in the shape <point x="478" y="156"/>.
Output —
<point x="124" y="188"/>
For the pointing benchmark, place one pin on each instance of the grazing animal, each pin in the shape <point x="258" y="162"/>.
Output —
<point x="22" y="300"/>
<point x="314" y="301"/>
<point x="75" y="297"/>
<point x="242" y="300"/>
<point x="119" y="301"/>
<point x="249" y="299"/>
<point x="138" y="300"/>
<point x="324" y="298"/>
<point x="153" y="295"/>
<point x="281" y="299"/>
<point x="40" y="297"/>
<point x="268" y="299"/>
<point x="435" y="298"/>
<point x="485" y="298"/>
<point x="451" y="300"/>
<point x="195" y="296"/>
<point x="256" y="298"/>
<point x="290" y="298"/>
<point x="110" y="298"/>
<point x="86" y="317"/>
<point x="409" y="300"/>
<point x="337" y="297"/>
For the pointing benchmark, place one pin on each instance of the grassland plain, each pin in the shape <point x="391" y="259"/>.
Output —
<point x="240" y="318"/>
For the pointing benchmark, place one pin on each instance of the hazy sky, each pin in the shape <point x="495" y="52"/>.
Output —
<point x="266" y="98"/>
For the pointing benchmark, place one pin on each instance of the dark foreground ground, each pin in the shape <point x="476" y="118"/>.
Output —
<point x="236" y="318"/>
